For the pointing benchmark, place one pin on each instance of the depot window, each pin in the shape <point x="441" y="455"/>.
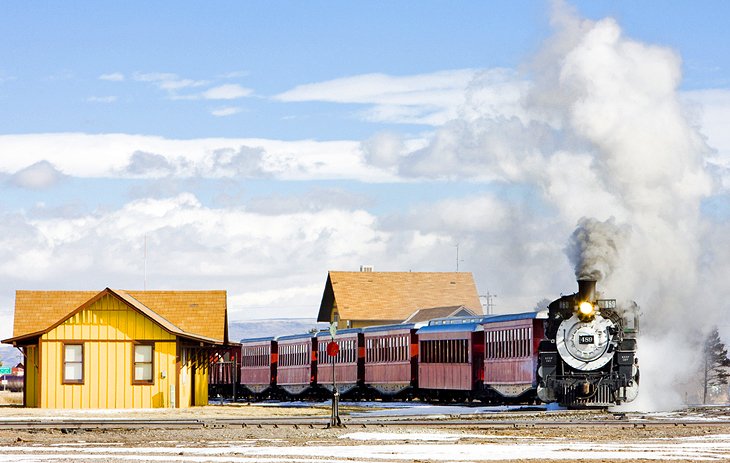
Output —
<point x="143" y="364"/>
<point x="73" y="364"/>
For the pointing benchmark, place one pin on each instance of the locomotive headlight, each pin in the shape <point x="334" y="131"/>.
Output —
<point x="586" y="311"/>
<point x="586" y="308"/>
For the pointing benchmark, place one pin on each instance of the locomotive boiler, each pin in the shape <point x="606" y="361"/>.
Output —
<point x="588" y="356"/>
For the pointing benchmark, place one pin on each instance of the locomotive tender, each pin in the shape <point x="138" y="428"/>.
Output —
<point x="581" y="352"/>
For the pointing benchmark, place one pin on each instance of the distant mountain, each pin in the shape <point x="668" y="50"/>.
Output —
<point x="272" y="327"/>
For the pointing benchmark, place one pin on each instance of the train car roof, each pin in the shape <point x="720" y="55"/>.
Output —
<point x="396" y="327"/>
<point x="456" y="327"/>
<point x="292" y="337"/>
<point x="488" y="318"/>
<point x="339" y="332"/>
<point x="249" y="340"/>
<point x="515" y="316"/>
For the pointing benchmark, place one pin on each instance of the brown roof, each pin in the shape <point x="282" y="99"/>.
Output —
<point x="195" y="313"/>
<point x="395" y="295"/>
<point x="424" y="315"/>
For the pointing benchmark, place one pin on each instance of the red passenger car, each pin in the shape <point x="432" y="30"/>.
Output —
<point x="391" y="360"/>
<point x="451" y="360"/>
<point x="224" y="372"/>
<point x="347" y="365"/>
<point x="297" y="364"/>
<point x="510" y="360"/>
<point x="258" y="365"/>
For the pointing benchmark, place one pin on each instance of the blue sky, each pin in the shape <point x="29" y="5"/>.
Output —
<point x="258" y="145"/>
<point x="53" y="57"/>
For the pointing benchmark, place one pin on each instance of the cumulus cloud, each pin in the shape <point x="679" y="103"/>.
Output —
<point x="286" y="160"/>
<point x="245" y="162"/>
<point x="149" y="164"/>
<point x="316" y="199"/>
<point x="37" y="176"/>
<point x="250" y="254"/>
<point x="226" y="92"/>
<point x="384" y="149"/>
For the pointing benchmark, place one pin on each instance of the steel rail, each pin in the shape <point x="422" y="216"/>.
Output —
<point x="313" y="422"/>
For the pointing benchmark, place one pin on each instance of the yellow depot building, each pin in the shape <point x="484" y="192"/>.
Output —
<point x="118" y="349"/>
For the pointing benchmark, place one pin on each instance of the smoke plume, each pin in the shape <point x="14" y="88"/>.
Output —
<point x="595" y="248"/>
<point x="601" y="132"/>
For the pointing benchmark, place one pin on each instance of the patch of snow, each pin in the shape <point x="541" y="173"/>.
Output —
<point x="707" y="448"/>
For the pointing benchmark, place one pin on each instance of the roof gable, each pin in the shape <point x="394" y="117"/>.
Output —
<point x="424" y="315"/>
<point x="395" y="295"/>
<point x="196" y="314"/>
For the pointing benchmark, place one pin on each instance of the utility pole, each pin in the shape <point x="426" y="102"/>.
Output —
<point x="145" y="262"/>
<point x="490" y="302"/>
<point x="457" y="257"/>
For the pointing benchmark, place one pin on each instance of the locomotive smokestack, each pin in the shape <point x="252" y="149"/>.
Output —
<point x="587" y="290"/>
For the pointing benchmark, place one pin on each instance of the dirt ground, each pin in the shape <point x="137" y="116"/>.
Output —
<point x="629" y="431"/>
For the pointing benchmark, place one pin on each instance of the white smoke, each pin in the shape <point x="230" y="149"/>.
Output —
<point x="602" y="133"/>
<point x="621" y="97"/>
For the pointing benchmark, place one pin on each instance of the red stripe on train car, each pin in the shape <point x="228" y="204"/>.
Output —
<point x="414" y="349"/>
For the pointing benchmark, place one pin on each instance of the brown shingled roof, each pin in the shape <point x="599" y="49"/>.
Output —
<point x="197" y="313"/>
<point x="395" y="295"/>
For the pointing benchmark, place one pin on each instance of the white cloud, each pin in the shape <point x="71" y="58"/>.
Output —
<point x="190" y="246"/>
<point x="102" y="99"/>
<point x="226" y="92"/>
<point x="266" y="257"/>
<point x="112" y="77"/>
<point x="169" y="82"/>
<point x="382" y="88"/>
<point x="78" y="155"/>
<point x="37" y="176"/>
<point x="234" y="74"/>
<point x="227" y="111"/>
<point x="430" y="99"/>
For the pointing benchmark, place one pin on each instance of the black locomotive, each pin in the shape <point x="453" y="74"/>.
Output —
<point x="588" y="356"/>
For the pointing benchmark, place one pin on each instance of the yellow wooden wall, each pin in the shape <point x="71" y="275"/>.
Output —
<point x="189" y="368"/>
<point x="107" y="329"/>
<point x="31" y="390"/>
<point x="201" y="386"/>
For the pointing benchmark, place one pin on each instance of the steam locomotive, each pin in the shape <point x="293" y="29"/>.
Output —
<point x="580" y="352"/>
<point x="588" y="356"/>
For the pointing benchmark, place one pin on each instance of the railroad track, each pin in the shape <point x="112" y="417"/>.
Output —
<point x="69" y="425"/>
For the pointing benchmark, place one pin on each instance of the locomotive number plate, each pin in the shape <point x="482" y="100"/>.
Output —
<point x="585" y="339"/>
